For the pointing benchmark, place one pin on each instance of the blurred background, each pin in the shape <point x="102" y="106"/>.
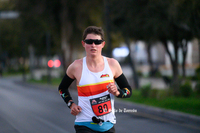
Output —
<point x="157" y="42"/>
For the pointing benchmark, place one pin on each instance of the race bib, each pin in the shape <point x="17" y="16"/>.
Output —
<point x="101" y="105"/>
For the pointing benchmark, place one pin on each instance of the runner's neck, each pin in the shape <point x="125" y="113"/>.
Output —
<point x="94" y="61"/>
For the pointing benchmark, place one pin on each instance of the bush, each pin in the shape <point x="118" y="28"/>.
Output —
<point x="162" y="94"/>
<point x="197" y="71"/>
<point x="186" y="89"/>
<point x="153" y="93"/>
<point x="169" y="92"/>
<point x="145" y="90"/>
<point x="197" y="89"/>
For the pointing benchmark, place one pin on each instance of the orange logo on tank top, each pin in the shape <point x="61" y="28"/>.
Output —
<point x="104" y="75"/>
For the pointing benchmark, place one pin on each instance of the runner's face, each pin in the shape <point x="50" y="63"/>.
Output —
<point x="92" y="49"/>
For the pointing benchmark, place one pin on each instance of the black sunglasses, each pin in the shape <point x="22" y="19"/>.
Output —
<point x="91" y="41"/>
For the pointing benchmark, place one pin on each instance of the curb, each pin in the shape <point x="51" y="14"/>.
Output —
<point x="166" y="115"/>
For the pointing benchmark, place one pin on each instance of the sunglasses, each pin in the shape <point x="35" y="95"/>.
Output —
<point x="91" y="41"/>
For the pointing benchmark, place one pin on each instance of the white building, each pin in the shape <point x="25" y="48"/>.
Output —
<point x="161" y="58"/>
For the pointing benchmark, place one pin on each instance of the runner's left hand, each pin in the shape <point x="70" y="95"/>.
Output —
<point x="112" y="88"/>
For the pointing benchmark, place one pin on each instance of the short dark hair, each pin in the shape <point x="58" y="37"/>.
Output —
<point x="93" y="30"/>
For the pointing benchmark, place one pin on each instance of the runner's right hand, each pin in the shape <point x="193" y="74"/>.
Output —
<point x="75" y="109"/>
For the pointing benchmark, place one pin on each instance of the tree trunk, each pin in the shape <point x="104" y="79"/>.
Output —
<point x="184" y="52"/>
<point x="199" y="51"/>
<point x="175" y="81"/>
<point x="132" y="64"/>
<point x="66" y="31"/>
<point x="48" y="46"/>
<point x="150" y="58"/>
<point x="174" y="63"/>
<point x="31" y="59"/>
<point x="24" y="58"/>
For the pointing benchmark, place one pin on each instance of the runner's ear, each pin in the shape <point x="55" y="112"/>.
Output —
<point x="83" y="43"/>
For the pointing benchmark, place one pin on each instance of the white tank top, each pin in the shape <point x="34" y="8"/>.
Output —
<point x="93" y="95"/>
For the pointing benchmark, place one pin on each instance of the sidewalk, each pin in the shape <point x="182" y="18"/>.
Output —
<point x="174" y="117"/>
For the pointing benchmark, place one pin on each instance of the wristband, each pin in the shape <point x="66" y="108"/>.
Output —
<point x="125" y="89"/>
<point x="69" y="104"/>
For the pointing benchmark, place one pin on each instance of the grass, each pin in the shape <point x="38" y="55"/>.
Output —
<point x="189" y="105"/>
<point x="53" y="81"/>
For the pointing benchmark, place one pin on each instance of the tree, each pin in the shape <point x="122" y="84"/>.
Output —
<point x="151" y="20"/>
<point x="63" y="18"/>
<point x="193" y="9"/>
<point x="177" y="31"/>
<point x="9" y="38"/>
<point x="9" y="32"/>
<point x="121" y="23"/>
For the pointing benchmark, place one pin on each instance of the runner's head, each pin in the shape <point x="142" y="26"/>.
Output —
<point x="93" y="30"/>
<point x="93" y="40"/>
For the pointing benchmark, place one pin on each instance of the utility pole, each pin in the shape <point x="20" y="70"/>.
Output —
<point x="24" y="56"/>
<point x="31" y="59"/>
<point x="48" y="45"/>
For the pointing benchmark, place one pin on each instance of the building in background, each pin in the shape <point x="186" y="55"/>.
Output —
<point x="159" y="56"/>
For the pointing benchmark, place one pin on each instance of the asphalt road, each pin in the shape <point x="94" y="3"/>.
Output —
<point x="29" y="108"/>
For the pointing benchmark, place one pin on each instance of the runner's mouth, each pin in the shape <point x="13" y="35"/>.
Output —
<point x="93" y="50"/>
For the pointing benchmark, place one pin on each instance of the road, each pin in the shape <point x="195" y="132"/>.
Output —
<point x="29" y="108"/>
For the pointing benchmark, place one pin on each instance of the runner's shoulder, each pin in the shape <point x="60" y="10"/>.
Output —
<point x="112" y="62"/>
<point x="115" y="67"/>
<point x="77" y="64"/>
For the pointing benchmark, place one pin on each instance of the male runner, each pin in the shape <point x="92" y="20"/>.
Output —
<point x="95" y="78"/>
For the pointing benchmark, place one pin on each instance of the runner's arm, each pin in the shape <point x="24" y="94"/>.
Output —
<point x="63" y="88"/>
<point x="125" y="89"/>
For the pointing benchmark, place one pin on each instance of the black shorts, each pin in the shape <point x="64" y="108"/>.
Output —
<point x="84" y="129"/>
